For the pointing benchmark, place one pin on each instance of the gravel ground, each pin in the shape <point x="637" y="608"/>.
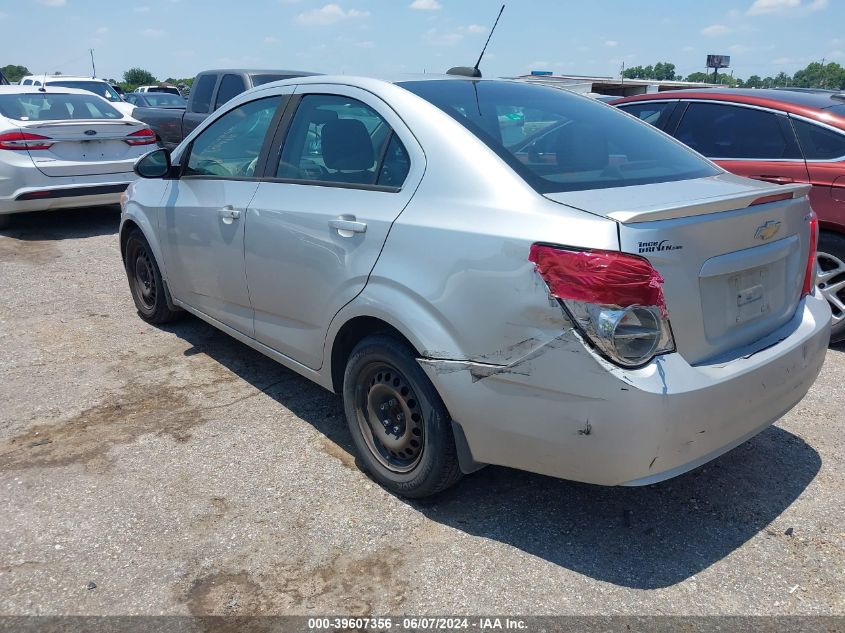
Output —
<point x="176" y="471"/>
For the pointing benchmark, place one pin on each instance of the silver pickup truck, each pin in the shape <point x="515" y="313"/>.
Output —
<point x="210" y="90"/>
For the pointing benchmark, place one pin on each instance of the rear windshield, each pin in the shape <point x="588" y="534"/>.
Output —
<point x="55" y="106"/>
<point x="97" y="87"/>
<point x="164" y="100"/>
<point x="260" y="80"/>
<point x="558" y="141"/>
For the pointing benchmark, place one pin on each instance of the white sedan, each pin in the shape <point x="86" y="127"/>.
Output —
<point x="62" y="148"/>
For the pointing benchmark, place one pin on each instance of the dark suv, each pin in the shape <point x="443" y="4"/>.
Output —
<point x="781" y="136"/>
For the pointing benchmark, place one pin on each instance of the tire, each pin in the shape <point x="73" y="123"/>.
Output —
<point x="415" y="456"/>
<point x="145" y="282"/>
<point x="831" y="282"/>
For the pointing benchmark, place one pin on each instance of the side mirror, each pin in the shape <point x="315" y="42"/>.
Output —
<point x="155" y="164"/>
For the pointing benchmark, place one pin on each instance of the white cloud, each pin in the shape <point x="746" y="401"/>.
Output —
<point x="271" y="40"/>
<point x="2" y="15"/>
<point x="715" y="30"/>
<point x="688" y="49"/>
<point x="783" y="61"/>
<point x="738" y="49"/>
<point x="611" y="43"/>
<point x="141" y="9"/>
<point x="53" y="3"/>
<point x="761" y="7"/>
<point x="329" y="14"/>
<point x="426" y="5"/>
<point x="366" y="44"/>
<point x="103" y="29"/>
<point x="476" y="28"/>
<point x="289" y="1"/>
<point x="152" y="33"/>
<point x="433" y="37"/>
<point x="837" y="54"/>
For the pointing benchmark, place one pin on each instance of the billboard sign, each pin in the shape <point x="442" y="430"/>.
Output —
<point x="718" y="61"/>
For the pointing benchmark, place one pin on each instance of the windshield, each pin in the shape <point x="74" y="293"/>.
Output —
<point x="97" y="87"/>
<point x="55" y="106"/>
<point x="558" y="141"/>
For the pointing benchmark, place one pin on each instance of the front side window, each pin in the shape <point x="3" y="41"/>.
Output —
<point x="201" y="95"/>
<point x="819" y="143"/>
<point x="100" y="88"/>
<point x="55" y="106"/>
<point x="341" y="140"/>
<point x="230" y="87"/>
<point x="654" y="113"/>
<point x="558" y="141"/>
<point x="726" y="131"/>
<point x="229" y="147"/>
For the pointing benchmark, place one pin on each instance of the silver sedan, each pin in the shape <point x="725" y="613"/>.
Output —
<point x="489" y="272"/>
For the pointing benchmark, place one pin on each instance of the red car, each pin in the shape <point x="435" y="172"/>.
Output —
<point x="781" y="136"/>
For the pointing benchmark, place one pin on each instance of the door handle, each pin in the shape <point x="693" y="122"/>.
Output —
<point x="779" y="180"/>
<point x="347" y="225"/>
<point x="229" y="214"/>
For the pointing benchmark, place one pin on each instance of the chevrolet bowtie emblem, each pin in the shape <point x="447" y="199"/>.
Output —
<point x="767" y="231"/>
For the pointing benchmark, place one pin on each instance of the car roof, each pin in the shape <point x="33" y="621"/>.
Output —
<point x="811" y="103"/>
<point x="17" y="89"/>
<point x="257" y="71"/>
<point x="63" y="78"/>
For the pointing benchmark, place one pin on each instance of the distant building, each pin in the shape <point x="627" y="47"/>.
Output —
<point x="614" y="86"/>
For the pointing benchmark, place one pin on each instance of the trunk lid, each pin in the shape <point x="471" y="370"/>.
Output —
<point x="732" y="252"/>
<point x="84" y="147"/>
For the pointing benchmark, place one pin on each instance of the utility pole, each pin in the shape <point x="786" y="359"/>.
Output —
<point x="93" y="67"/>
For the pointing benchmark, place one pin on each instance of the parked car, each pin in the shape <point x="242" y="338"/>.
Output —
<point x="119" y="91"/>
<point x="156" y="100"/>
<point x="781" y="136"/>
<point x="99" y="87"/>
<point x="210" y="90"/>
<point x="64" y="148"/>
<point x="3" y="80"/>
<point x="618" y="313"/>
<point x="159" y="88"/>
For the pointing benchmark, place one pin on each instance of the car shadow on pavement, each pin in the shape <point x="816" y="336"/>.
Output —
<point x="646" y="538"/>
<point x="64" y="224"/>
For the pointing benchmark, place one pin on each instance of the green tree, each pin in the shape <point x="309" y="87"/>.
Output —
<point x="700" y="77"/>
<point x="15" y="73"/>
<point x="135" y="77"/>
<point x="754" y="81"/>
<point x="662" y="71"/>
<point x="816" y="75"/>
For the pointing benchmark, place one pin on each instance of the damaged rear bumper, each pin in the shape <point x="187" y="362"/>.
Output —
<point x="564" y="412"/>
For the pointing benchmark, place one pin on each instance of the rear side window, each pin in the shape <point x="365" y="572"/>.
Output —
<point x="97" y="87"/>
<point x="230" y="87"/>
<point x="54" y="106"/>
<point x="654" y="113"/>
<point x="201" y="94"/>
<point x="341" y="140"/>
<point x="726" y="131"/>
<point x="260" y="80"/>
<point x="559" y="141"/>
<point x="819" y="143"/>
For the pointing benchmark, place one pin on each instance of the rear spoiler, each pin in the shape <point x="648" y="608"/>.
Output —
<point x="30" y="125"/>
<point x="730" y="202"/>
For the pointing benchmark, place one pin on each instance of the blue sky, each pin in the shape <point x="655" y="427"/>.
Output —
<point x="181" y="37"/>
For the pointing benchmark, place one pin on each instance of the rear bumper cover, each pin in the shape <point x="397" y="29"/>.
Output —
<point x="64" y="196"/>
<point x="567" y="413"/>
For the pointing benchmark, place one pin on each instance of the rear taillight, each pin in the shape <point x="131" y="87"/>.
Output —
<point x="810" y="273"/>
<point x="24" y="140"/>
<point x="615" y="299"/>
<point x="144" y="136"/>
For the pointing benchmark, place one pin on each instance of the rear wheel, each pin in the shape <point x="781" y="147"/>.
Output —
<point x="831" y="280"/>
<point x="399" y="424"/>
<point x="145" y="282"/>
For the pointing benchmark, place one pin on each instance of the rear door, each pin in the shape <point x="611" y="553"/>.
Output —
<point x="824" y="150"/>
<point x="346" y="169"/>
<point x="203" y="220"/>
<point x="749" y="141"/>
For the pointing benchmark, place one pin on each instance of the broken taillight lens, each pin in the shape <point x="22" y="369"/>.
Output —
<point x="810" y="272"/>
<point x="615" y="299"/>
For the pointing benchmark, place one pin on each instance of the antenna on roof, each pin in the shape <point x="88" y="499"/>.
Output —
<point x="43" y="87"/>
<point x="93" y="67"/>
<point x="465" y="71"/>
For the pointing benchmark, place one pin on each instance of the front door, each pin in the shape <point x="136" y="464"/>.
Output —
<point x="204" y="213"/>
<point x="314" y="230"/>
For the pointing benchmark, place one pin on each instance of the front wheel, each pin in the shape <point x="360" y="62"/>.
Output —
<point x="399" y="424"/>
<point x="831" y="280"/>
<point x="145" y="282"/>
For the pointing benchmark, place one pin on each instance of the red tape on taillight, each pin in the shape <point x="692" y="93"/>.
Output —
<point x="810" y="273"/>
<point x="24" y="140"/>
<point x="144" y="136"/>
<point x="600" y="277"/>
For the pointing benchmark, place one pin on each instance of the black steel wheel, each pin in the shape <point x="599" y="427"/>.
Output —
<point x="145" y="282"/>
<point x="399" y="424"/>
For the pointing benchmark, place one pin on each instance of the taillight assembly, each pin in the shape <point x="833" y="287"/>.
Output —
<point x="144" y="136"/>
<point x="810" y="272"/>
<point x="24" y="140"/>
<point x="615" y="299"/>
